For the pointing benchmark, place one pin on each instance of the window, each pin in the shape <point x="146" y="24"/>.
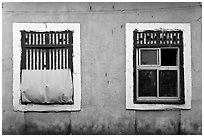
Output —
<point x="46" y="67"/>
<point x="158" y="66"/>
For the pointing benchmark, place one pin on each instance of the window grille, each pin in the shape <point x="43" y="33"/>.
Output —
<point x="47" y="50"/>
<point x="46" y="70"/>
<point x="152" y="38"/>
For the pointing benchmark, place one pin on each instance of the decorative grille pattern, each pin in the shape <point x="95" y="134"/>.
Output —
<point x="158" y="38"/>
<point x="46" y="50"/>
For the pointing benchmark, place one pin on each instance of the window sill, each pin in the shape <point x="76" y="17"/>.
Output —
<point x="169" y="102"/>
<point x="41" y="108"/>
<point x="157" y="106"/>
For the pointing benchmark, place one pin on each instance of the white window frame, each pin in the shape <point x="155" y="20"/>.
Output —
<point x="185" y="27"/>
<point x="17" y="27"/>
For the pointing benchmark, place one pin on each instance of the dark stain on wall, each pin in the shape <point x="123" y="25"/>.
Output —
<point x="36" y="129"/>
<point x="158" y="128"/>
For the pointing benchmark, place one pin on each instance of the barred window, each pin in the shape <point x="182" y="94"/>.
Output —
<point x="47" y="56"/>
<point x="47" y="50"/>
<point x="47" y="67"/>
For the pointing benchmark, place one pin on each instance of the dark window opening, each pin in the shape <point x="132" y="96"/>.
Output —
<point x="168" y="83"/>
<point x="169" y="57"/>
<point x="147" y="83"/>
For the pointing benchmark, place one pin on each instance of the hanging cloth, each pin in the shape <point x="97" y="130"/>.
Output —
<point x="47" y="86"/>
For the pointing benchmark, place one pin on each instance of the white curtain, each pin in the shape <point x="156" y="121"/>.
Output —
<point x="47" y="86"/>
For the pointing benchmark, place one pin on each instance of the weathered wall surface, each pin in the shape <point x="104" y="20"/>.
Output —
<point x="103" y="69"/>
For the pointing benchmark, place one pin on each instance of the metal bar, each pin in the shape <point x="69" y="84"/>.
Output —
<point x="63" y="58"/>
<point x="29" y="39"/>
<point x="51" y="52"/>
<point x="56" y="58"/>
<point x="42" y="60"/>
<point x="66" y="58"/>
<point x="38" y="39"/>
<point x="34" y="37"/>
<point x="55" y="61"/>
<point x="59" y="58"/>
<point x="47" y="59"/>
<point x="37" y="58"/>
<point x="33" y="53"/>
<point x="41" y="39"/>
<point x="31" y="42"/>
<point x="49" y="37"/>
<point x="60" y="38"/>
<point x="30" y="59"/>
<point x="27" y="59"/>
<point x="65" y="39"/>
<point x="56" y="38"/>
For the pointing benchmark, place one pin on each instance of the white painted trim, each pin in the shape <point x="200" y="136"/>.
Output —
<point x="185" y="27"/>
<point x="76" y="65"/>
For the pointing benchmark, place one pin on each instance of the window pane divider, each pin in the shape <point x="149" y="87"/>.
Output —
<point x="157" y="83"/>
<point x="158" y="98"/>
<point x="158" y="67"/>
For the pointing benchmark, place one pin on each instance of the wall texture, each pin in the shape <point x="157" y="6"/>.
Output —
<point x="103" y="69"/>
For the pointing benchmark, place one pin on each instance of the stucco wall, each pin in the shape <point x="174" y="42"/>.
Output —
<point x="102" y="69"/>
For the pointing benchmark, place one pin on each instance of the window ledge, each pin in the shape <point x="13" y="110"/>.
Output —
<point x="157" y="106"/>
<point x="41" y="108"/>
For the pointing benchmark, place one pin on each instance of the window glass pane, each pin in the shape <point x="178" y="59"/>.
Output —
<point x="149" y="57"/>
<point x="168" y="83"/>
<point x="147" y="83"/>
<point x="169" y="57"/>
